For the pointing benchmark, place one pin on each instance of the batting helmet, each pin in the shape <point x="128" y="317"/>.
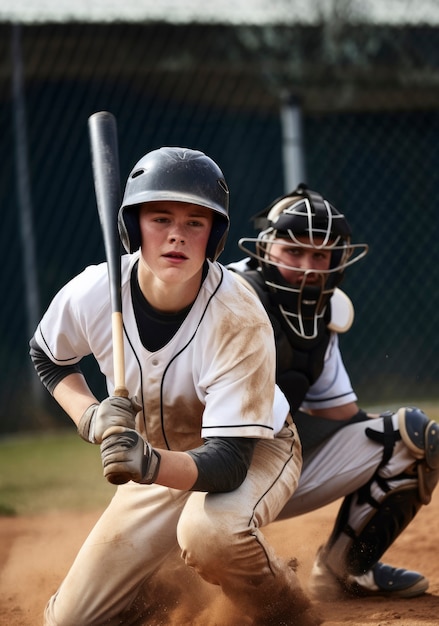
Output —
<point x="304" y="213"/>
<point x="175" y="174"/>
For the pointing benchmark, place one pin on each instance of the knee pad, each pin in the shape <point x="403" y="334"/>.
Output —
<point x="421" y="436"/>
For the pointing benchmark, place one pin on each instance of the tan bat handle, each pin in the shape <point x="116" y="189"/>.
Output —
<point x="118" y="355"/>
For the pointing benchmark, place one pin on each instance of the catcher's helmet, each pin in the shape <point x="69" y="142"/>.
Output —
<point x="175" y="174"/>
<point x="303" y="213"/>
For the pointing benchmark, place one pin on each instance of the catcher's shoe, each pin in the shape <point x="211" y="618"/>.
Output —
<point x="380" y="580"/>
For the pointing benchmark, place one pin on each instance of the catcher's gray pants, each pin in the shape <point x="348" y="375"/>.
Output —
<point x="343" y="464"/>
<point x="218" y="534"/>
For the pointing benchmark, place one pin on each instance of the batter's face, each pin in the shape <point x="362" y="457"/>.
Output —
<point x="303" y="259"/>
<point x="174" y="239"/>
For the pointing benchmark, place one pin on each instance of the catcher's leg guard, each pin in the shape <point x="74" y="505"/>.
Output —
<point x="352" y="551"/>
<point x="395" y="511"/>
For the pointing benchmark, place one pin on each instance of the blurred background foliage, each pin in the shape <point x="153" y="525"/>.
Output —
<point x="363" y="96"/>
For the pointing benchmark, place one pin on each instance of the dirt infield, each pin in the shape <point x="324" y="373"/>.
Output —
<point x="35" y="553"/>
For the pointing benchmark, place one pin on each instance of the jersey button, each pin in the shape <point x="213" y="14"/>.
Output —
<point x="155" y="362"/>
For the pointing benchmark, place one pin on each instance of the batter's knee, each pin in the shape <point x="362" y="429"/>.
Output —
<point x="210" y="540"/>
<point x="202" y="535"/>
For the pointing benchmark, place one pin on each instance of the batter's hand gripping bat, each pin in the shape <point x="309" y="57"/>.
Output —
<point x="106" y="174"/>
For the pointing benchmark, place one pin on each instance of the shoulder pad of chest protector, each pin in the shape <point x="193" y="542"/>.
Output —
<point x="342" y="312"/>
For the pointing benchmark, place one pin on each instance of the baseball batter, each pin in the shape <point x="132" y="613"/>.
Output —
<point x="384" y="466"/>
<point x="205" y="440"/>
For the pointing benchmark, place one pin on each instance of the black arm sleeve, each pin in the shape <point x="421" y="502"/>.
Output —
<point x="222" y="463"/>
<point x="50" y="374"/>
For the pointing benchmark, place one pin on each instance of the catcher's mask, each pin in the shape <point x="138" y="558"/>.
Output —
<point x="179" y="175"/>
<point x="303" y="213"/>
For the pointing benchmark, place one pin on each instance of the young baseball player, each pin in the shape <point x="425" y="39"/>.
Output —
<point x="204" y="441"/>
<point x="384" y="466"/>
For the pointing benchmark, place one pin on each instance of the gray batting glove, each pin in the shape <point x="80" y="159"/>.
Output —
<point x="127" y="456"/>
<point x="113" y="411"/>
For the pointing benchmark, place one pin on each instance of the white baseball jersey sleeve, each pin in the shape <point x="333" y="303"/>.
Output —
<point x="333" y="387"/>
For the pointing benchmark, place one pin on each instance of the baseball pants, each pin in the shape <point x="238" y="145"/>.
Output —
<point x="219" y="536"/>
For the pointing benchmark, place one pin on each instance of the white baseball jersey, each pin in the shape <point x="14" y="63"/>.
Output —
<point x="214" y="378"/>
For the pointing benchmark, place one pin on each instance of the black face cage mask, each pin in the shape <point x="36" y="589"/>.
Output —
<point x="303" y="213"/>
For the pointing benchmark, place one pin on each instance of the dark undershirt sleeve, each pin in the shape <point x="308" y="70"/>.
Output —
<point x="50" y="374"/>
<point x="222" y="463"/>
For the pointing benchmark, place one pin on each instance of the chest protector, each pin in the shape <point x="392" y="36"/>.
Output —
<point x="299" y="362"/>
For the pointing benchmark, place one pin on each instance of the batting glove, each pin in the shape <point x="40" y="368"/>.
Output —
<point x="113" y="411"/>
<point x="127" y="456"/>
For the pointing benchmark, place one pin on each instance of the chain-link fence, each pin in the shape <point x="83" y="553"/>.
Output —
<point x="367" y="99"/>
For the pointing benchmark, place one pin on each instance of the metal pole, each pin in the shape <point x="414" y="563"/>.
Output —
<point x="24" y="200"/>
<point x="292" y="143"/>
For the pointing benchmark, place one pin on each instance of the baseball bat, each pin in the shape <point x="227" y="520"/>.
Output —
<point x="106" y="175"/>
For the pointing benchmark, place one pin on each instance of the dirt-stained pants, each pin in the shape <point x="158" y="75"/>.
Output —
<point x="219" y="535"/>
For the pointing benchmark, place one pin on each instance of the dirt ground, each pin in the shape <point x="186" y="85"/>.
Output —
<point x="35" y="553"/>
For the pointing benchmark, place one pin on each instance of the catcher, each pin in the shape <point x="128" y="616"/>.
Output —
<point x="385" y="466"/>
<point x="205" y="441"/>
